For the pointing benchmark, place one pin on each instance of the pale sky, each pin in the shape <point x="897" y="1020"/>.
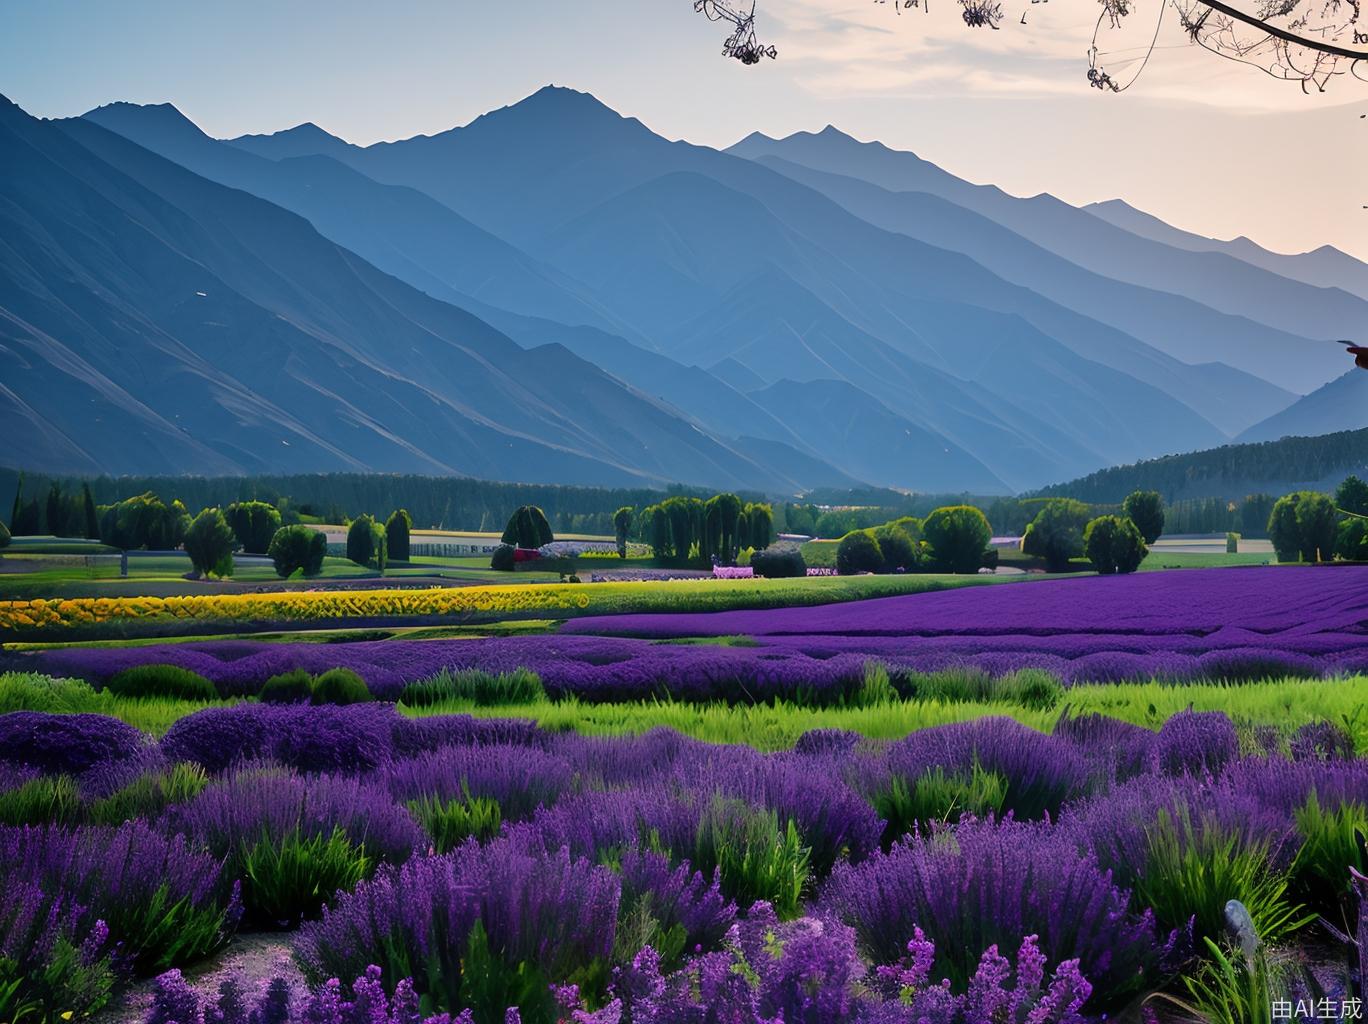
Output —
<point x="1209" y="145"/>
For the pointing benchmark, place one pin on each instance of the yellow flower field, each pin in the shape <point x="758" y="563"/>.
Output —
<point x="292" y="606"/>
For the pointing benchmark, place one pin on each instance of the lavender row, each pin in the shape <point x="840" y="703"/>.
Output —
<point x="820" y="669"/>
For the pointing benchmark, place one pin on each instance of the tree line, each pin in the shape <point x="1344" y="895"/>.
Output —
<point x="447" y="503"/>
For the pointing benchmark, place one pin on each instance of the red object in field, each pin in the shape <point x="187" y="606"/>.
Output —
<point x="525" y="554"/>
<point x="1360" y="354"/>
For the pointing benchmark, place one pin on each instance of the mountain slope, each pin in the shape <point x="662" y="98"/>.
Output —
<point x="1214" y="279"/>
<point x="872" y="440"/>
<point x="158" y="320"/>
<point x="1325" y="267"/>
<point x="1340" y="405"/>
<point x="1176" y="330"/>
<point x="400" y="230"/>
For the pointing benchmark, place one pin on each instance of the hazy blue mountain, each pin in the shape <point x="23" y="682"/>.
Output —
<point x="658" y="230"/>
<point x="689" y="241"/>
<point x="400" y="230"/>
<point x="302" y="140"/>
<point x="740" y="377"/>
<point x="873" y="441"/>
<point x="1324" y="267"/>
<point x="1177" y="330"/>
<point x="1340" y="405"/>
<point x="154" y="320"/>
<point x="1215" y="279"/>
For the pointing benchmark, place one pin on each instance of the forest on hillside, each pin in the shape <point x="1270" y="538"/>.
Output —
<point x="1228" y="472"/>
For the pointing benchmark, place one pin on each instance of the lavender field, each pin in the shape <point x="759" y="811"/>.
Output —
<point x="420" y="865"/>
<point x="1219" y="624"/>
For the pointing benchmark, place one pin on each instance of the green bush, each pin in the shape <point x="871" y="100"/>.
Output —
<point x="1351" y="540"/>
<point x="1146" y="510"/>
<point x="209" y="543"/>
<point x="1232" y="543"/>
<point x="162" y="681"/>
<point x="254" y="524"/>
<point x="623" y="519"/>
<point x="450" y="823"/>
<point x="937" y="798"/>
<point x="50" y="800"/>
<point x="485" y="689"/>
<point x="293" y="687"/>
<point x="149" y="795"/>
<point x="503" y="559"/>
<point x="1303" y="527"/>
<point x="298" y="549"/>
<point x="859" y="552"/>
<point x="340" y="686"/>
<point x="957" y="536"/>
<point x="397" y="529"/>
<point x="1114" y="545"/>
<point x="779" y="563"/>
<point x="361" y="540"/>
<point x="527" y="528"/>
<point x="289" y="879"/>
<point x="1056" y="533"/>
<point x="899" y="553"/>
<point x="755" y="857"/>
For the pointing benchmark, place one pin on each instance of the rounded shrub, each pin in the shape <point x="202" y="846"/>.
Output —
<point x="293" y="687"/>
<point x="1056" y="533"/>
<point x="209" y="544"/>
<point x="298" y="548"/>
<point x="899" y="553"/>
<point x="254" y="523"/>
<point x="779" y="563"/>
<point x="859" y="552"/>
<point x="503" y="558"/>
<point x="1146" y="510"/>
<point x="340" y="686"/>
<point x="162" y="681"/>
<point x="397" y="529"/>
<point x="957" y="536"/>
<point x="1114" y="545"/>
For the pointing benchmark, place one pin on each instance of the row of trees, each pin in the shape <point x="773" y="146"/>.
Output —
<point x="1307" y="526"/>
<point x="432" y="501"/>
<point x="682" y="530"/>
<point x="212" y="536"/>
<point x="1065" y="529"/>
<point x="951" y="539"/>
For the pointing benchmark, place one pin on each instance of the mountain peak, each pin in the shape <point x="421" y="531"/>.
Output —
<point x="164" y="119"/>
<point x="306" y="139"/>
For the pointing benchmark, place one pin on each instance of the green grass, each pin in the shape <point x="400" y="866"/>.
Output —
<point x="1161" y="559"/>
<point x="1285" y="704"/>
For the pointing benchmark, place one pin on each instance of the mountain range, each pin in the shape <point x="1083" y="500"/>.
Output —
<point x="556" y="293"/>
